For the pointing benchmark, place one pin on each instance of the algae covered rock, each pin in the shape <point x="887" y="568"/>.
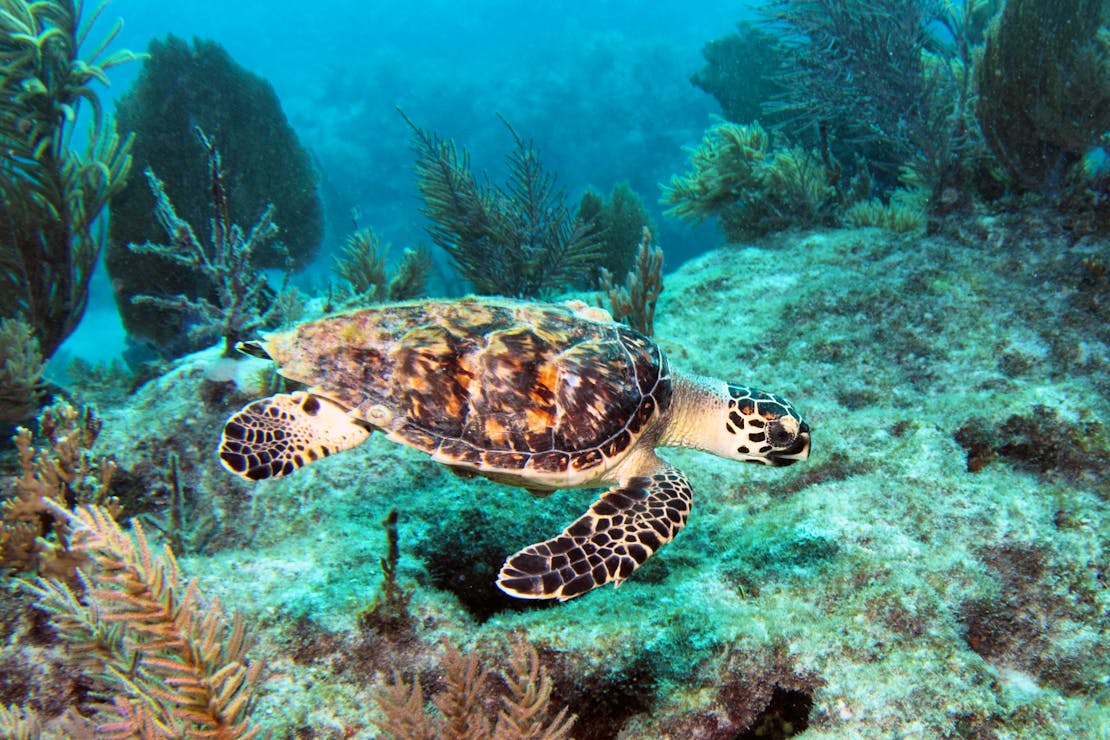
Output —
<point x="184" y="87"/>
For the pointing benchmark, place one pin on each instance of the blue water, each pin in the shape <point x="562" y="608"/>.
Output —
<point x="604" y="94"/>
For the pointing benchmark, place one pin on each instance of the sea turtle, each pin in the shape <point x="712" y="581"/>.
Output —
<point x="535" y="395"/>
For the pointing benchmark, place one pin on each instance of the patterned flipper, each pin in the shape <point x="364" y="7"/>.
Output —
<point x="619" y="532"/>
<point x="275" y="436"/>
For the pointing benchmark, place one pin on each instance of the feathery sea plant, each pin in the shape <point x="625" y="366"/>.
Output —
<point x="465" y="703"/>
<point x="21" y="369"/>
<point x="241" y="290"/>
<point x="51" y="195"/>
<point x="889" y="77"/>
<point x="62" y="471"/>
<point x="752" y="186"/>
<point x="855" y="65"/>
<point x="520" y="240"/>
<point x="362" y="263"/>
<point x="177" y="666"/>
<point x="634" y="302"/>
<point x="363" y="266"/>
<point x="904" y="212"/>
<point x="724" y="166"/>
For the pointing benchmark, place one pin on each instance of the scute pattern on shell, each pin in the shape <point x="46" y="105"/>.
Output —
<point x="497" y="385"/>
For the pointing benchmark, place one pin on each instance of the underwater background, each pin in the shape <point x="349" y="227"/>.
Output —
<point x="896" y="214"/>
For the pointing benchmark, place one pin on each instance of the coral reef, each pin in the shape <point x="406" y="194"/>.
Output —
<point x="21" y="369"/>
<point x="33" y="535"/>
<point x="363" y="266"/>
<point x="226" y="263"/>
<point x="635" y="301"/>
<point x="962" y="604"/>
<point x="466" y="705"/>
<point x="890" y="81"/>
<point x="519" y="241"/>
<point x="51" y="194"/>
<point x="751" y="185"/>
<point x="182" y="86"/>
<point x="176" y="667"/>
<point x="1040" y="112"/>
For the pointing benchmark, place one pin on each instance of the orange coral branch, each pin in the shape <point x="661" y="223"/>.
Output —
<point x="147" y="633"/>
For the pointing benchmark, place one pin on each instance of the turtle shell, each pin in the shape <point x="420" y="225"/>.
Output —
<point x="536" y="391"/>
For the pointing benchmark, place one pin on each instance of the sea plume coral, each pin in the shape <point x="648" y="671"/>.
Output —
<point x="466" y="706"/>
<point x="225" y="262"/>
<point x="178" y="668"/>
<point x="754" y="187"/>
<point x="51" y="194"/>
<point x="889" y="78"/>
<point x="518" y="241"/>
<point x="363" y="266"/>
<point x="21" y="369"/>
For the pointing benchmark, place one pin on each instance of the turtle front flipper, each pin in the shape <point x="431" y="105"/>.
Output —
<point x="619" y="532"/>
<point x="275" y="436"/>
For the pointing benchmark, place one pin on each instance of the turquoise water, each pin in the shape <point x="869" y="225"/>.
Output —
<point x="901" y="226"/>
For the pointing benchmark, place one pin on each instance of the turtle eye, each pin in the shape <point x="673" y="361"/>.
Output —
<point x="782" y="432"/>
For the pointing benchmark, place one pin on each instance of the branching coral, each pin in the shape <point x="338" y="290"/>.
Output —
<point x="463" y="704"/>
<point x="33" y="536"/>
<point x="51" y="196"/>
<point x="226" y="262"/>
<point x="21" y="723"/>
<point x="901" y="214"/>
<point x="179" y="668"/>
<point x="518" y="241"/>
<point x="891" y="77"/>
<point x="21" y="369"/>
<point x="363" y="265"/>
<point x="183" y="85"/>
<point x="634" y="302"/>
<point x="752" y="187"/>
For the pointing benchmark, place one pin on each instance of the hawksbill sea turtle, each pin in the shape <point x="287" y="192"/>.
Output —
<point x="526" y="394"/>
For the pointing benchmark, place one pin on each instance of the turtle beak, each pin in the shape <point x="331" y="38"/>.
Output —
<point x="254" y="349"/>
<point x="795" y="452"/>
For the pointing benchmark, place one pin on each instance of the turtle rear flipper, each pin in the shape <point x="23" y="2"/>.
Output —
<point x="619" y="532"/>
<point x="275" y="436"/>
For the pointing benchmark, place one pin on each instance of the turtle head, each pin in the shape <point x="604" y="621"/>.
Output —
<point x="764" y="428"/>
<point x="736" y="422"/>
